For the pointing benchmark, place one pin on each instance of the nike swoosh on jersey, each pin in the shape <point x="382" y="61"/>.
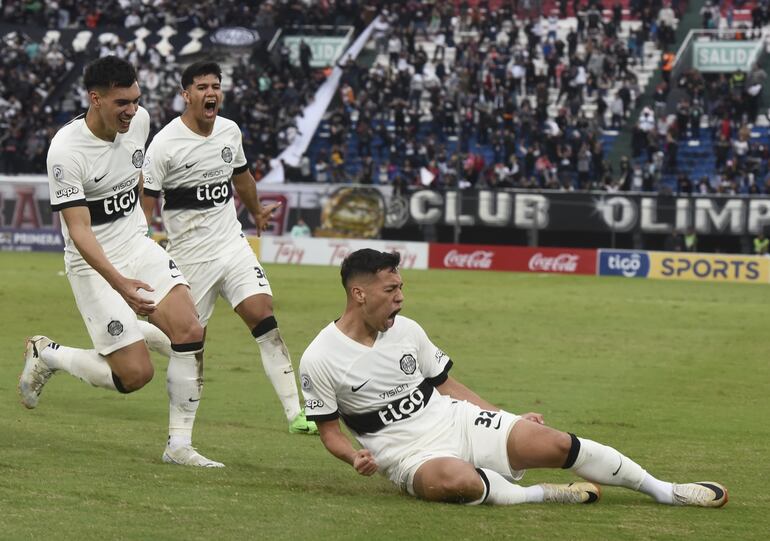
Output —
<point x="188" y="165"/>
<point x="100" y="178"/>
<point x="356" y="389"/>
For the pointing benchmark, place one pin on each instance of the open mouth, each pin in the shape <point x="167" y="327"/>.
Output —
<point x="210" y="107"/>
<point x="392" y="318"/>
<point x="125" y="123"/>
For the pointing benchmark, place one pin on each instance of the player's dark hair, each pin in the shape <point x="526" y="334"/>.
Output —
<point x="196" y="69"/>
<point x="367" y="261"/>
<point x="107" y="72"/>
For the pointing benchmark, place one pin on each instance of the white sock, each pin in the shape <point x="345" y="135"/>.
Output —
<point x="184" y="383"/>
<point x="85" y="364"/>
<point x="498" y="491"/>
<point x="604" y="465"/>
<point x="662" y="491"/>
<point x="154" y="338"/>
<point x="277" y="364"/>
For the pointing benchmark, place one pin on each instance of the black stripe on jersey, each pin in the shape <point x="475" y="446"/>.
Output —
<point x="397" y="410"/>
<point x="68" y="204"/>
<point x="151" y="193"/>
<point x="442" y="377"/>
<point x="241" y="169"/>
<point x="200" y="197"/>
<point x="115" y="207"/>
<point x="322" y="418"/>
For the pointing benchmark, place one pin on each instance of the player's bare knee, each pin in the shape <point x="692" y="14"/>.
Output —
<point x="195" y="333"/>
<point x="134" y="379"/>
<point x="453" y="485"/>
<point x="563" y="443"/>
<point x="189" y="334"/>
<point x="556" y="448"/>
<point x="463" y="488"/>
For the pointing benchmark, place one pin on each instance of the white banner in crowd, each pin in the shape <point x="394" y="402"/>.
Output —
<point x="331" y="252"/>
<point x="308" y="122"/>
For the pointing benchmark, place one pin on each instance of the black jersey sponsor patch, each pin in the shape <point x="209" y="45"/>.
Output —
<point x="397" y="410"/>
<point x="114" y="207"/>
<point x="203" y="196"/>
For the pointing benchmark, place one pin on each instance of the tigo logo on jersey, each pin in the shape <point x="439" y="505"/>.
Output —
<point x="628" y="264"/>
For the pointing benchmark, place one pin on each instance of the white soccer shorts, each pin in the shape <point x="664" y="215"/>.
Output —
<point x="111" y="323"/>
<point x="235" y="278"/>
<point x="471" y="434"/>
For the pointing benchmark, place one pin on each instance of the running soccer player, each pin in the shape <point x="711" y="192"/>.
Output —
<point x="432" y="436"/>
<point x="115" y="271"/>
<point x="194" y="162"/>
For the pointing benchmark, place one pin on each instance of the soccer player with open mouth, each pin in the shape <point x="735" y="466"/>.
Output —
<point x="432" y="436"/>
<point x="194" y="163"/>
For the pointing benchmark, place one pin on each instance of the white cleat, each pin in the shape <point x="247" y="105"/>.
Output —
<point x="579" y="492"/>
<point x="36" y="373"/>
<point x="701" y="494"/>
<point x="188" y="456"/>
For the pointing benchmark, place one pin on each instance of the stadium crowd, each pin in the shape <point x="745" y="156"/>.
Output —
<point x="262" y="96"/>
<point x="459" y="95"/>
<point x="727" y="105"/>
<point x="520" y="101"/>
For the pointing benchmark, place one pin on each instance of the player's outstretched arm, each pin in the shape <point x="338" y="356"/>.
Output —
<point x="148" y="205"/>
<point x="339" y="445"/>
<point x="458" y="391"/>
<point x="246" y="187"/>
<point x="78" y="222"/>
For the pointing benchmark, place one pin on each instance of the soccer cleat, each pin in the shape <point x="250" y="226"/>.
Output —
<point x="300" y="425"/>
<point x="579" y="492"/>
<point x="188" y="456"/>
<point x="36" y="373"/>
<point x="701" y="494"/>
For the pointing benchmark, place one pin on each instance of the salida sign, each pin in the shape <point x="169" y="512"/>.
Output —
<point x="590" y="211"/>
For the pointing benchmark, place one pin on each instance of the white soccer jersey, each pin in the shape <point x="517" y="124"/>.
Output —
<point x="194" y="174"/>
<point x="84" y="170"/>
<point x="385" y="393"/>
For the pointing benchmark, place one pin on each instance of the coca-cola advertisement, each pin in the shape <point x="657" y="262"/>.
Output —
<point x="512" y="258"/>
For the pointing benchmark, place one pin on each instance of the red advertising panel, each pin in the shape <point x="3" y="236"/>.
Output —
<point x="512" y="258"/>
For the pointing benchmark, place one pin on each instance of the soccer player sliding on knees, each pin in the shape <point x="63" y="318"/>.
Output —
<point x="433" y="437"/>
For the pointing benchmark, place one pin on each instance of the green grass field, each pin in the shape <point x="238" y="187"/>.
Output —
<point x="674" y="374"/>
